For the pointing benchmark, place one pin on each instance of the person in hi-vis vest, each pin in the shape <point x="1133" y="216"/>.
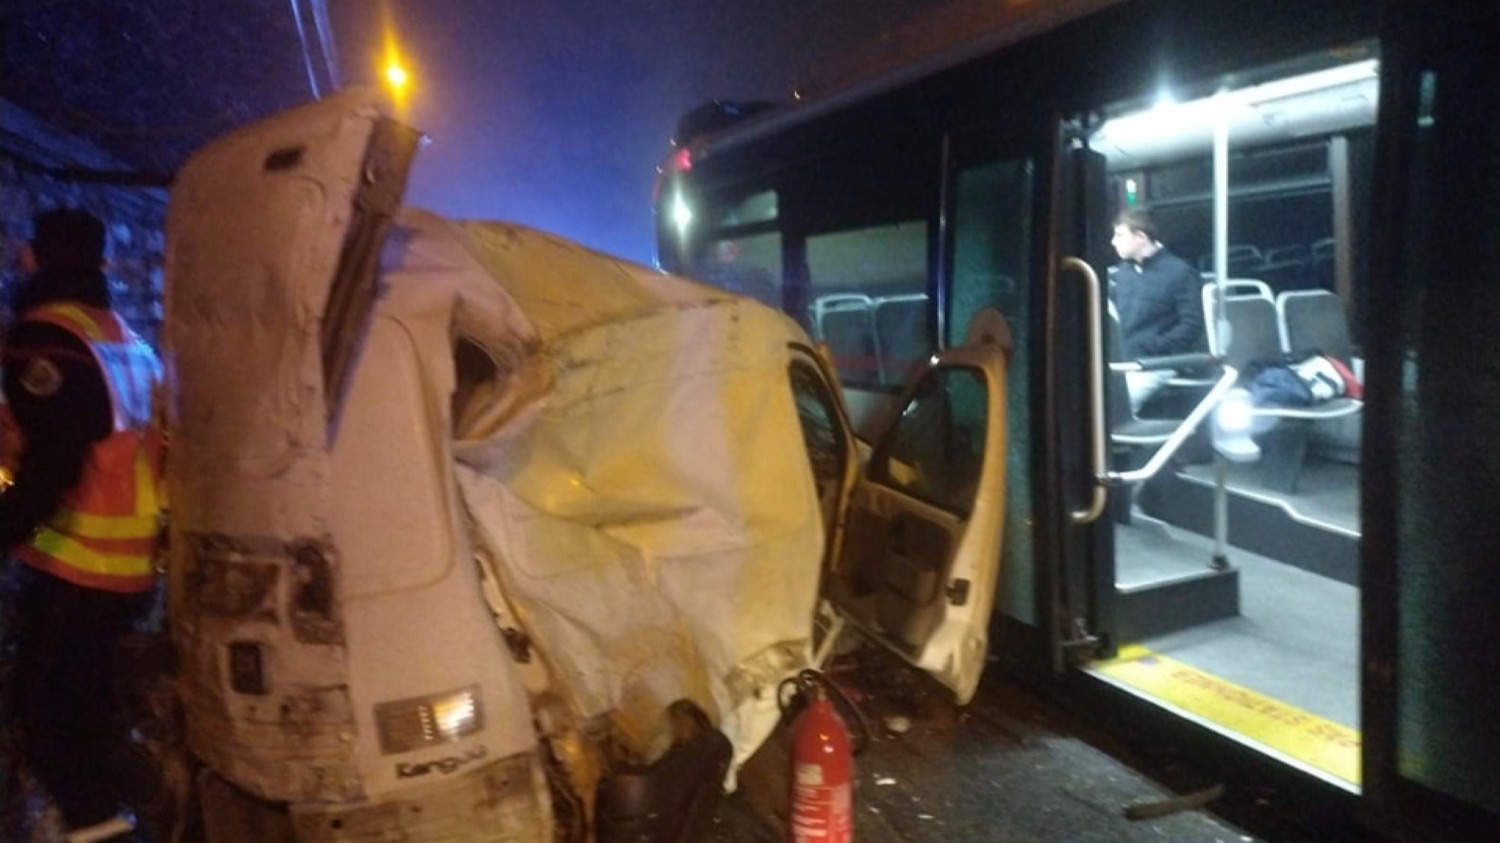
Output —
<point x="80" y="522"/>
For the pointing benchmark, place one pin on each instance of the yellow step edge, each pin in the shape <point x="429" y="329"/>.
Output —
<point x="1294" y="732"/>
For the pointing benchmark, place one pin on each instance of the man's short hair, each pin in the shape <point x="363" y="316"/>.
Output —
<point x="1137" y="219"/>
<point x="67" y="238"/>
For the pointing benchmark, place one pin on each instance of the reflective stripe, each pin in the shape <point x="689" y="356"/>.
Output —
<point x="76" y="554"/>
<point x="148" y="481"/>
<point x="76" y="317"/>
<point x="85" y="525"/>
<point x="123" y="583"/>
<point x="105" y="533"/>
<point x="130" y="368"/>
<point x="102" y="556"/>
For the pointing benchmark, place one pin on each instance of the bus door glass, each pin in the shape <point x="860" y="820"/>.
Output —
<point x="988" y="262"/>
<point x="1230" y="327"/>
<point x="1433" y="529"/>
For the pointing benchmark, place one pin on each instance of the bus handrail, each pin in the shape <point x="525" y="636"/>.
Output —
<point x="1179" y="435"/>
<point x="1097" y="453"/>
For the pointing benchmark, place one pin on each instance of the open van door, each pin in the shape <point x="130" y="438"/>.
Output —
<point x="918" y="557"/>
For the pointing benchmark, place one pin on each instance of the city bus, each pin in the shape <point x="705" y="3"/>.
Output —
<point x="1304" y="582"/>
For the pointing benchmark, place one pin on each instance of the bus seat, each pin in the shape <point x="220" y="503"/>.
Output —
<point x="1126" y="429"/>
<point x="1287" y="268"/>
<point x="1314" y="322"/>
<point x="1291" y="253"/>
<point x="1255" y="337"/>
<point x="845" y="323"/>
<point x="901" y="333"/>
<point x="1234" y="288"/>
<point x="1322" y="262"/>
<point x="1240" y="256"/>
<point x="1132" y="439"/>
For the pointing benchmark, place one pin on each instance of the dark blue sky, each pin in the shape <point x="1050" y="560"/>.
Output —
<point x="554" y="114"/>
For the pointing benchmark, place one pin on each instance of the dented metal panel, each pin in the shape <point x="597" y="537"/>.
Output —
<point x="653" y="519"/>
<point x="621" y="446"/>
<point x="262" y="700"/>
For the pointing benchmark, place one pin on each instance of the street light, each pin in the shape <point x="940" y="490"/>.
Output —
<point x="394" y="68"/>
<point x="396" y="76"/>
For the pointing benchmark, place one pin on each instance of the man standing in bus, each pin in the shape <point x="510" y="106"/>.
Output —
<point x="1158" y="299"/>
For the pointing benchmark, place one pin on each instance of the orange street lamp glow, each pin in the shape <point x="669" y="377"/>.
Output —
<point x="396" y="75"/>
<point x="393" y="67"/>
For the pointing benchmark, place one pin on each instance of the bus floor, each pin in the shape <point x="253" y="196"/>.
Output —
<point x="1282" y="676"/>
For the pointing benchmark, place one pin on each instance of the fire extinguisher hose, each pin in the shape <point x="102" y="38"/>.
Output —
<point x="795" y="692"/>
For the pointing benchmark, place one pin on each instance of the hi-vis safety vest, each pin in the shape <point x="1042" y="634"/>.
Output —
<point x="105" y="533"/>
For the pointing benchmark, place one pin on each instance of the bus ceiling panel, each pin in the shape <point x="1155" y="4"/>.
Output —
<point x="1254" y="117"/>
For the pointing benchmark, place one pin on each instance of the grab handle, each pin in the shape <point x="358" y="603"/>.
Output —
<point x="1098" y="465"/>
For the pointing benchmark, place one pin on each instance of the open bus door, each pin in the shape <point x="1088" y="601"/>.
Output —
<point x="1210" y="536"/>
<point x="917" y="553"/>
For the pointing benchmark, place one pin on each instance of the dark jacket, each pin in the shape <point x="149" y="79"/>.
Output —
<point x="1160" y="305"/>
<point x="58" y="422"/>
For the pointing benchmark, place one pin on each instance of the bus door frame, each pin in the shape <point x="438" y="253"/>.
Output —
<point x="1073" y="566"/>
<point x="1082" y="589"/>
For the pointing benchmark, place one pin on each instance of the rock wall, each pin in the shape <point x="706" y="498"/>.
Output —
<point x="42" y="167"/>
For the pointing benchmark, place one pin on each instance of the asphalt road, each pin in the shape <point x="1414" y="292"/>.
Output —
<point x="1008" y="767"/>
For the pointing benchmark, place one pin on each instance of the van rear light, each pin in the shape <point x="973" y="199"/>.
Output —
<point x="417" y="722"/>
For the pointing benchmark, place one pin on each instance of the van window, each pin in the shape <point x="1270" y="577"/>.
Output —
<point x="937" y="444"/>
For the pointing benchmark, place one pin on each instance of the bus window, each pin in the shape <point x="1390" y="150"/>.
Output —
<point x="735" y="244"/>
<point x="869" y="300"/>
<point x="748" y="265"/>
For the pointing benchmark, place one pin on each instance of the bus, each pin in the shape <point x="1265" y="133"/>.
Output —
<point x="1308" y="584"/>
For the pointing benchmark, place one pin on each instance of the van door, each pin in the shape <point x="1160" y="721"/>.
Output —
<point x="326" y="181"/>
<point x="920" y="551"/>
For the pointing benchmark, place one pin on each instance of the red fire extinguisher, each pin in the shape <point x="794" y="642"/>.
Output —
<point x="822" y="770"/>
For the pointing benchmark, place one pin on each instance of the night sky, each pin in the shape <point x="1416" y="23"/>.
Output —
<point x="551" y="113"/>
<point x="554" y="114"/>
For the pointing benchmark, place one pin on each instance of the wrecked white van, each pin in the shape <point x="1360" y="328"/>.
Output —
<point x="469" y="522"/>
